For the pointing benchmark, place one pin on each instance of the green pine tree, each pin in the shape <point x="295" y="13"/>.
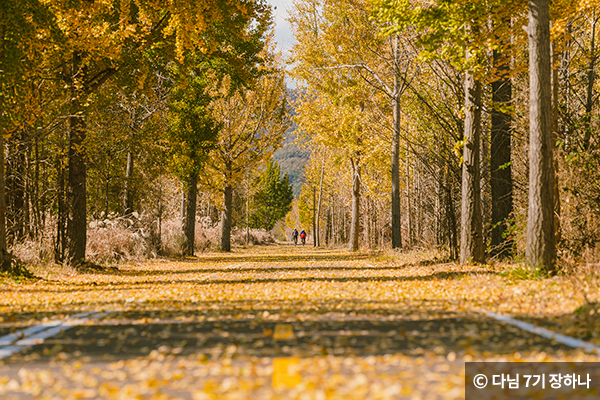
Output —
<point x="272" y="199"/>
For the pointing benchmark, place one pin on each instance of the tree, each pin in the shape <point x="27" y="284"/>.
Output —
<point x="272" y="199"/>
<point x="500" y="144"/>
<point x="471" y="238"/>
<point x="541" y="248"/>
<point x="193" y="130"/>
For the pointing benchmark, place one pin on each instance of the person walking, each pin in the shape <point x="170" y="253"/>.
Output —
<point x="295" y="236"/>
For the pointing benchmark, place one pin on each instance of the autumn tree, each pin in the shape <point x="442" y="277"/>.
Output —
<point x="193" y="130"/>
<point x="541" y="247"/>
<point x="501" y="180"/>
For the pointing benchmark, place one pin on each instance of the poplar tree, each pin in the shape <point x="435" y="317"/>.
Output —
<point x="541" y="247"/>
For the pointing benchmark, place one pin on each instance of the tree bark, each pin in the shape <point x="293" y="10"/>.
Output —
<point x="248" y="212"/>
<point x="591" y="77"/>
<point x="226" y="213"/>
<point x="61" y="217"/>
<point x="5" y="258"/>
<point x="190" y="215"/>
<point x="541" y="248"/>
<point x="409" y="216"/>
<point x="451" y="216"/>
<point x="355" y="223"/>
<point x="314" y="221"/>
<point x="555" y="89"/>
<point x="128" y="186"/>
<point x="500" y="159"/>
<point x="76" y="180"/>
<point x="471" y="238"/>
<point x="15" y="189"/>
<point x="318" y="217"/>
<point x="396" y="206"/>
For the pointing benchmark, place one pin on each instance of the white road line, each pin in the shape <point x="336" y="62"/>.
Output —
<point x="18" y="341"/>
<point x="543" y="332"/>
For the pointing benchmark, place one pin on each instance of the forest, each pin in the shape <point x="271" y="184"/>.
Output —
<point x="133" y="129"/>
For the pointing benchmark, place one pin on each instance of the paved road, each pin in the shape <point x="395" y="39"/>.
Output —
<point x="269" y="348"/>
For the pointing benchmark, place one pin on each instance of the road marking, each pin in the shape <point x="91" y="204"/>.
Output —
<point x="283" y="332"/>
<point x="18" y="341"/>
<point x="543" y="332"/>
<point x="286" y="373"/>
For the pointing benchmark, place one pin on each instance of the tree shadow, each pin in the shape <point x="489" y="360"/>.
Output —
<point x="362" y="333"/>
<point x="136" y="285"/>
<point x="262" y="269"/>
<point x="229" y="257"/>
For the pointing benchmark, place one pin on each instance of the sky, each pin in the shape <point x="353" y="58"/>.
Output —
<point x="283" y="32"/>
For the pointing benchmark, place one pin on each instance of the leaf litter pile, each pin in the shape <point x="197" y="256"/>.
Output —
<point x="283" y="322"/>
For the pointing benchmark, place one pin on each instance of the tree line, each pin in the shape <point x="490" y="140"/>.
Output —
<point x="480" y="119"/>
<point x="430" y="124"/>
<point x="129" y="109"/>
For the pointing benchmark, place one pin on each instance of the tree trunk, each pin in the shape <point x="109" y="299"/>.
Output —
<point x="5" y="258"/>
<point x="591" y="77"/>
<point x="160" y="215"/>
<point x="329" y="226"/>
<point x="314" y="221"/>
<point x="438" y="210"/>
<point x="36" y="191"/>
<point x="344" y="228"/>
<point x="557" y="229"/>
<point x="471" y="238"/>
<point x="500" y="158"/>
<point x="248" y="213"/>
<point x="128" y="186"/>
<point x="418" y="206"/>
<point x="451" y="217"/>
<point x="318" y="217"/>
<point x="182" y="208"/>
<point x="76" y="180"/>
<point x="355" y="224"/>
<point x="106" y="190"/>
<point x="541" y="249"/>
<point x="396" y="207"/>
<point x="409" y="216"/>
<point x="61" y="217"/>
<point x="226" y="213"/>
<point x="190" y="215"/>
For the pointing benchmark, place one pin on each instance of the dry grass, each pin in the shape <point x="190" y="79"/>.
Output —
<point x="134" y="239"/>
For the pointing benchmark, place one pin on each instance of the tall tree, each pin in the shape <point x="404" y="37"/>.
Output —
<point x="500" y="148"/>
<point x="471" y="238"/>
<point x="193" y="130"/>
<point x="541" y="247"/>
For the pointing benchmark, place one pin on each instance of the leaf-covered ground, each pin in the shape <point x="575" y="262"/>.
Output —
<point x="283" y="322"/>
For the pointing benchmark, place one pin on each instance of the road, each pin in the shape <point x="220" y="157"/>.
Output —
<point x="271" y="325"/>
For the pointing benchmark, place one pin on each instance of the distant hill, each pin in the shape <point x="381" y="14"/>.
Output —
<point x="291" y="157"/>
